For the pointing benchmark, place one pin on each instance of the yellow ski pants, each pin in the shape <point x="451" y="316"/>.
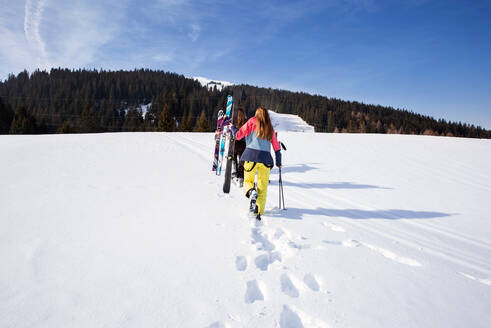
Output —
<point x="262" y="182"/>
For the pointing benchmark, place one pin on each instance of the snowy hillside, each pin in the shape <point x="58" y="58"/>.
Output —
<point x="210" y="84"/>
<point x="287" y="122"/>
<point x="132" y="230"/>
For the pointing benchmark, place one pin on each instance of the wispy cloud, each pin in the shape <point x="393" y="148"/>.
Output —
<point x="195" y="31"/>
<point x="32" y="21"/>
<point x="51" y="33"/>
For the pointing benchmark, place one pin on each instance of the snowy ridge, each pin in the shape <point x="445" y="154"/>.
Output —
<point x="210" y="84"/>
<point x="379" y="231"/>
<point x="289" y="122"/>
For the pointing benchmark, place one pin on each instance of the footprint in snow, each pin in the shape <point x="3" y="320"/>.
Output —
<point x="299" y="246"/>
<point x="279" y="233"/>
<point x="264" y="260"/>
<point x="253" y="292"/>
<point x="333" y="242"/>
<point x="261" y="240"/>
<point x="289" y="318"/>
<point x="288" y="287"/>
<point x="311" y="282"/>
<point x="351" y="243"/>
<point x="293" y="318"/>
<point x="241" y="263"/>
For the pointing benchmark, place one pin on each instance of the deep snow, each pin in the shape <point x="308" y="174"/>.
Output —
<point x="132" y="230"/>
<point x="289" y="123"/>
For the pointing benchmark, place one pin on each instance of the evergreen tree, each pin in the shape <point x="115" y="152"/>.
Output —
<point x="330" y="122"/>
<point x="42" y="127"/>
<point x="133" y="121"/>
<point x="89" y="121"/>
<point x="187" y="123"/>
<point x="67" y="127"/>
<point x="150" y="121"/>
<point x="166" y="122"/>
<point x="203" y="124"/>
<point x="6" y="117"/>
<point x="23" y="122"/>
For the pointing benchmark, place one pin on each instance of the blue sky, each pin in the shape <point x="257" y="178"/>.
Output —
<point x="430" y="57"/>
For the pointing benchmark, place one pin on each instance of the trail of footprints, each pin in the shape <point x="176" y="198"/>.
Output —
<point x="268" y="253"/>
<point x="272" y="248"/>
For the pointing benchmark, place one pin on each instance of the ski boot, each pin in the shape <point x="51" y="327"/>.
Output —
<point x="252" y="194"/>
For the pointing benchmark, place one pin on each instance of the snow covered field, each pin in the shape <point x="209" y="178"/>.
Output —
<point x="132" y="230"/>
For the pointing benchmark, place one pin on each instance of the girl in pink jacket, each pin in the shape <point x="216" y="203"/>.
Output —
<point x="259" y="136"/>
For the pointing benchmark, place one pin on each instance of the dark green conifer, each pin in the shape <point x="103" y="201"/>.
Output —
<point x="6" y="117"/>
<point x="203" y="124"/>
<point x="23" y="122"/>
<point x="89" y="121"/>
<point x="166" y="122"/>
<point x="67" y="127"/>
<point x="133" y="121"/>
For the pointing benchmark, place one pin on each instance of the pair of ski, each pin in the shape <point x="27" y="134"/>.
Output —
<point x="224" y="144"/>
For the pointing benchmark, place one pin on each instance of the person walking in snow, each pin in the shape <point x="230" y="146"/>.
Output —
<point x="259" y="135"/>
<point x="239" y="147"/>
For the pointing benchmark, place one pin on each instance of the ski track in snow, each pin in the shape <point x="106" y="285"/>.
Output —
<point x="481" y="280"/>
<point x="449" y="253"/>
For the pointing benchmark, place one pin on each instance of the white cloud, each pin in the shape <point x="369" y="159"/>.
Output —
<point x="32" y="21"/>
<point x="195" y="31"/>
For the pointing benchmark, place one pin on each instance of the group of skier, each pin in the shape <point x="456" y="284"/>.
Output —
<point x="253" y="141"/>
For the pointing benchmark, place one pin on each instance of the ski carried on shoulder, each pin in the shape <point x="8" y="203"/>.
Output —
<point x="223" y="136"/>
<point x="230" y="143"/>
<point x="218" y="135"/>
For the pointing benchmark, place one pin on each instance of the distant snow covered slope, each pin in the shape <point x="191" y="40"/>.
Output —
<point x="288" y="122"/>
<point x="210" y="84"/>
<point x="133" y="230"/>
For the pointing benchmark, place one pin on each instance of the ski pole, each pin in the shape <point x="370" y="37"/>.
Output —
<point x="281" y="194"/>
<point x="279" y="190"/>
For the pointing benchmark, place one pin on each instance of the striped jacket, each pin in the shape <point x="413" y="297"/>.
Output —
<point x="258" y="150"/>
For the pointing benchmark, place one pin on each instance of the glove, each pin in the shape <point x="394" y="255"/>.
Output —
<point x="278" y="157"/>
<point x="234" y="130"/>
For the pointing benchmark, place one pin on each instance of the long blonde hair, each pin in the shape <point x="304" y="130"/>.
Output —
<point x="264" y="128"/>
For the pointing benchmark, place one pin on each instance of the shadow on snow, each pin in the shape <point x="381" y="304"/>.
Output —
<point x="334" y="185"/>
<point x="392" y="214"/>
<point x="298" y="168"/>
